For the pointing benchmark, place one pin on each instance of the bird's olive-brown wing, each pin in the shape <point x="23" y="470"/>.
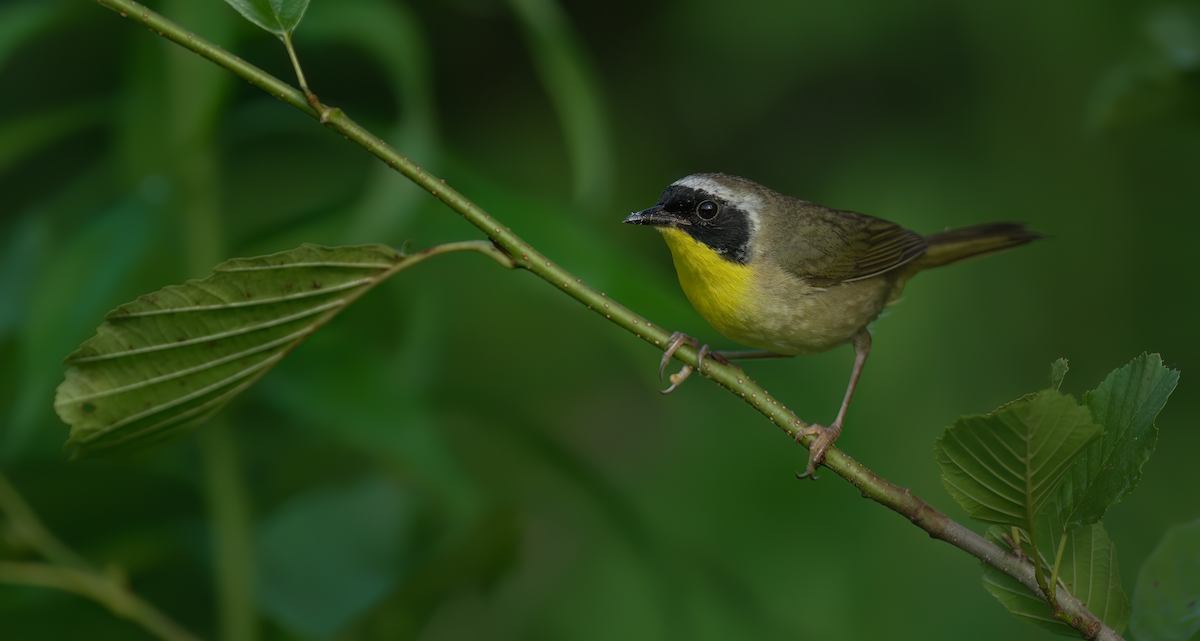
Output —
<point x="827" y="246"/>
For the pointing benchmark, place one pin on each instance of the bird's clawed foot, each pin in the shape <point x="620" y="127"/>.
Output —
<point x="816" y="452"/>
<point x="673" y="343"/>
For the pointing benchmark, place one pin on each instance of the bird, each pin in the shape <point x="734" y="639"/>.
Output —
<point x="790" y="277"/>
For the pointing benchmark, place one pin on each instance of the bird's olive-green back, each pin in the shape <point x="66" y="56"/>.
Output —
<point x="828" y="246"/>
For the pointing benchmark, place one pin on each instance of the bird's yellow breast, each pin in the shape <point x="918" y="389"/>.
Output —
<point x="769" y="308"/>
<point x="721" y="290"/>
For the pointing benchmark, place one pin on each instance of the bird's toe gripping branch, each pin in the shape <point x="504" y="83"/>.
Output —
<point x="676" y="340"/>
<point x="816" y="452"/>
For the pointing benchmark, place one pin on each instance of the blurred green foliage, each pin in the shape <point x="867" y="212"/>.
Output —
<point x="521" y="477"/>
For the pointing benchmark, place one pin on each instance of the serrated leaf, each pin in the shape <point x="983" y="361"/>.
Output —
<point x="280" y="17"/>
<point x="1003" y="467"/>
<point x="1088" y="569"/>
<point x="168" y="361"/>
<point x="1125" y="405"/>
<point x="1058" y="371"/>
<point x="1166" y="599"/>
<point x="1089" y="572"/>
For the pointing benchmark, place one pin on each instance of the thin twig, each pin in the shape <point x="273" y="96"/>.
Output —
<point x="70" y="572"/>
<point x="26" y="529"/>
<point x="101" y="588"/>
<point x="232" y="533"/>
<point x="524" y="255"/>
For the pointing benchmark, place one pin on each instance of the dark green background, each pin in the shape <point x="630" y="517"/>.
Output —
<point x="468" y="454"/>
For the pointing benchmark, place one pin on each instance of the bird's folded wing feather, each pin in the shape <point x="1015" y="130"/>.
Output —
<point x="861" y="247"/>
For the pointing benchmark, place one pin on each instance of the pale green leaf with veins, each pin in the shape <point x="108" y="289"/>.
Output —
<point x="170" y="360"/>
<point x="1003" y="467"/>
<point x="280" y="17"/>
<point x="1089" y="572"/>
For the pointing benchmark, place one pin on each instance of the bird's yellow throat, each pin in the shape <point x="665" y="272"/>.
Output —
<point x="719" y="289"/>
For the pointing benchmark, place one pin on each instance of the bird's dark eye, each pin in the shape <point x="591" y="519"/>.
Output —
<point x="707" y="210"/>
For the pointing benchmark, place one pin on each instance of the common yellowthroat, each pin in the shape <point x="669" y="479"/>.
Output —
<point x="792" y="277"/>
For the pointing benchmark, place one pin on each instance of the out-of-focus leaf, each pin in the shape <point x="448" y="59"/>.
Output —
<point x="77" y="284"/>
<point x="575" y="92"/>
<point x="170" y="360"/>
<point x="1003" y="467"/>
<point x="328" y="555"/>
<point x="1166" y="599"/>
<point x="1089" y="572"/>
<point x="1058" y="371"/>
<point x="280" y="17"/>
<point x="1125" y="405"/>
<point x="1152" y="87"/>
<point x="22" y="21"/>
<point x="1175" y="31"/>
<point x="370" y="406"/>
<point x="22" y="136"/>
<point x="20" y="254"/>
<point x="477" y="558"/>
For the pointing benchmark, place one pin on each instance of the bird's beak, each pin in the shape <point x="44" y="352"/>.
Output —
<point x="653" y="216"/>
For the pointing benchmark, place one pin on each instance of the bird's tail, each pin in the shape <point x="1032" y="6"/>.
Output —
<point x="957" y="245"/>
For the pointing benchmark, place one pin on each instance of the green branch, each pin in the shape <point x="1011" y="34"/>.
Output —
<point x="104" y="589"/>
<point x="287" y="43"/>
<point x="232" y="534"/>
<point x="70" y="572"/>
<point x="523" y="255"/>
<point x="26" y="529"/>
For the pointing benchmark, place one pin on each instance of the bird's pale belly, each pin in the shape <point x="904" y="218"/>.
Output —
<point x="773" y="309"/>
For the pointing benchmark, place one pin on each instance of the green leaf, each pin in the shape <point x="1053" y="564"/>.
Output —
<point x="1088" y="570"/>
<point x="168" y="361"/>
<point x="1058" y="371"/>
<point x="1125" y="405"/>
<point x="1089" y="573"/>
<point x="1166" y="599"/>
<point x="1003" y="467"/>
<point x="280" y="17"/>
<point x="1014" y="596"/>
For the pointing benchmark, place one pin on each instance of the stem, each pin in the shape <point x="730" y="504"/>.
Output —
<point x="1062" y="545"/>
<point x="287" y="43"/>
<point x="233" y="550"/>
<point x="309" y="96"/>
<point x="482" y="246"/>
<point x="1036" y="556"/>
<point x="100" y="588"/>
<point x="26" y="528"/>
<point x="900" y="500"/>
<point x="72" y="573"/>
